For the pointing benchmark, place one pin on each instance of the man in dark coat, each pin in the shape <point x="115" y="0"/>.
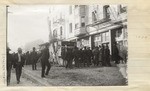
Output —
<point x="107" y="55"/>
<point x="115" y="54"/>
<point x="9" y="65"/>
<point x="18" y="64"/>
<point x="95" y="56"/>
<point x="45" y="61"/>
<point x="85" y="57"/>
<point x="80" y="57"/>
<point x="27" y="58"/>
<point x="89" y="56"/>
<point x="69" y="58"/>
<point x="34" y="58"/>
<point x="76" y="55"/>
<point x="63" y="55"/>
<point x="101" y="55"/>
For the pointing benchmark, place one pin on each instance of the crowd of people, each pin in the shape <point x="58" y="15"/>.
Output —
<point x="99" y="56"/>
<point x="19" y="59"/>
<point x="73" y="57"/>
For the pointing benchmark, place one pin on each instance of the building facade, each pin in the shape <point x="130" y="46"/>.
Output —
<point x="90" y="25"/>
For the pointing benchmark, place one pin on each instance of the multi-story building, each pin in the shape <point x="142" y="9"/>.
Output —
<point x="90" y="25"/>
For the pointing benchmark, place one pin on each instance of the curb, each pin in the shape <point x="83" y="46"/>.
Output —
<point x="34" y="78"/>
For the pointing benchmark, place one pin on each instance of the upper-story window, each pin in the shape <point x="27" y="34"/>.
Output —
<point x="122" y="8"/>
<point x="70" y="27"/>
<point x="76" y="6"/>
<point x="94" y="16"/>
<point x="61" y="30"/>
<point x="106" y="11"/>
<point x="55" y="33"/>
<point x="83" y="21"/>
<point x="70" y="9"/>
<point x="76" y="25"/>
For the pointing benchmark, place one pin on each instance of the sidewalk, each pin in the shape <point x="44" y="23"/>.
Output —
<point x="34" y="75"/>
<point x="24" y="81"/>
<point x="59" y="76"/>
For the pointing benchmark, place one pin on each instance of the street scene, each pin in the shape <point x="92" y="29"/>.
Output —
<point x="67" y="45"/>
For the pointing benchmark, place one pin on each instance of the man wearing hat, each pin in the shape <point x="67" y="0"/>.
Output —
<point x="18" y="64"/>
<point x="34" y="58"/>
<point x="45" y="61"/>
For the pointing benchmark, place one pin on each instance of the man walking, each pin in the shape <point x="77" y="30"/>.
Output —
<point x="45" y="62"/>
<point x="34" y="58"/>
<point x="18" y="64"/>
<point x="9" y="65"/>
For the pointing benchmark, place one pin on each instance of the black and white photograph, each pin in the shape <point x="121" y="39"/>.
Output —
<point x="67" y="45"/>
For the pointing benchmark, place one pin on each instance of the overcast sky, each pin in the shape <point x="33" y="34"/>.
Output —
<point x="26" y="24"/>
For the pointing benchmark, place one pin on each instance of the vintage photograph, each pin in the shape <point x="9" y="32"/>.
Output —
<point x="67" y="45"/>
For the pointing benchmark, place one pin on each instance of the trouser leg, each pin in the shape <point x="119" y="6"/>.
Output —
<point x="32" y="66"/>
<point x="88" y="62"/>
<point x="20" y="71"/>
<point x="67" y="64"/>
<point x="43" y="70"/>
<point x="48" y="68"/>
<point x="17" y="72"/>
<point x="35" y="66"/>
<point x="8" y="75"/>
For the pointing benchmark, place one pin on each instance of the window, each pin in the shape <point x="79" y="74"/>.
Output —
<point x="70" y="9"/>
<point x="98" y="40"/>
<point x="61" y="30"/>
<point x="83" y="24"/>
<point x="76" y="25"/>
<point x="70" y="27"/>
<point x="83" y="21"/>
<point x="55" y="33"/>
<point x="106" y="11"/>
<point x="105" y="37"/>
<point x="94" y="16"/>
<point x="125" y="35"/>
<point x="122" y="8"/>
<point x="118" y="33"/>
<point x="76" y="6"/>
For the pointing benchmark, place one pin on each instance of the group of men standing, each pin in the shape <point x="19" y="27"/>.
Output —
<point x="17" y="61"/>
<point x="100" y="55"/>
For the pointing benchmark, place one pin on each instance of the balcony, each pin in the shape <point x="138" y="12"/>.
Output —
<point x="80" y="31"/>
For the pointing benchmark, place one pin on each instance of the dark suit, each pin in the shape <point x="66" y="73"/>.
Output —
<point x="18" y="65"/>
<point x="9" y="66"/>
<point x="34" y="58"/>
<point x="45" y="62"/>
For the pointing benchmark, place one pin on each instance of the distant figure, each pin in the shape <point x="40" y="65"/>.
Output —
<point x="76" y="55"/>
<point x="107" y="55"/>
<point x="102" y="55"/>
<point x="34" y="58"/>
<point x="69" y="57"/>
<point x="45" y="61"/>
<point x="63" y="55"/>
<point x="85" y="57"/>
<point x="115" y="54"/>
<point x="96" y="56"/>
<point x="89" y="55"/>
<point x="18" y="64"/>
<point x="27" y="58"/>
<point x="9" y="65"/>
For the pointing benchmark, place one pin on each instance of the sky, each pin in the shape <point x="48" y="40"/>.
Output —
<point x="27" y="23"/>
